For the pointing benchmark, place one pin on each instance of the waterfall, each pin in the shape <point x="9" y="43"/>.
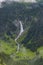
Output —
<point x="21" y="31"/>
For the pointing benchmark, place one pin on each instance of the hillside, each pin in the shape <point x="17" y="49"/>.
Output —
<point x="31" y="40"/>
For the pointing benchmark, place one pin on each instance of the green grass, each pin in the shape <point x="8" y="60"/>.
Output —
<point x="6" y="47"/>
<point x="10" y="48"/>
<point x="40" y="50"/>
<point x="24" y="54"/>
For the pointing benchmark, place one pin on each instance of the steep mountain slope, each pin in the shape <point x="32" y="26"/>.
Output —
<point x="16" y="11"/>
<point x="33" y="39"/>
<point x="31" y="15"/>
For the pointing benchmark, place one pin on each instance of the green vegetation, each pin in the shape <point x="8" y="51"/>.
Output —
<point x="6" y="60"/>
<point x="7" y="48"/>
<point x="31" y="40"/>
<point x="21" y="38"/>
<point x="40" y="50"/>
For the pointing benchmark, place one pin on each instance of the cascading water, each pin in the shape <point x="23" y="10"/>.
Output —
<point x="21" y="31"/>
<point x="18" y="45"/>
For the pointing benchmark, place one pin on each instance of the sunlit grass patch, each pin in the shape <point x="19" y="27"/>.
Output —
<point x="6" y="47"/>
<point x="24" y="54"/>
<point x="40" y="50"/>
